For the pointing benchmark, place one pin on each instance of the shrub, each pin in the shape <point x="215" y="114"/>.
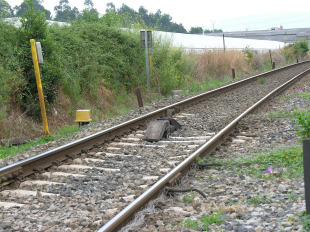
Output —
<point x="34" y="26"/>
<point x="297" y="50"/>
<point x="94" y="54"/>
<point x="303" y="120"/>
<point x="170" y="67"/>
<point x="257" y="62"/>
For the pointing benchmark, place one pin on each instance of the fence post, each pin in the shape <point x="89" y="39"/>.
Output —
<point x="139" y="98"/>
<point x="233" y="73"/>
<point x="270" y="57"/>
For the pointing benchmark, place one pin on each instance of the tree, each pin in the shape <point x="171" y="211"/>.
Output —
<point x="301" y="48"/>
<point x="179" y="28"/>
<point x="213" y="31"/>
<point x="89" y="13"/>
<point x="157" y="21"/>
<point x="126" y="10"/>
<point x="34" y="26"/>
<point x="22" y="8"/>
<point x="64" y="12"/>
<point x="110" y="7"/>
<point x="143" y="13"/>
<point x="88" y="4"/>
<point x="196" y="30"/>
<point x="5" y="9"/>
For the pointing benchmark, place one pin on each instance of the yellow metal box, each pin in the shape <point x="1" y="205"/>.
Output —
<point x="83" y="116"/>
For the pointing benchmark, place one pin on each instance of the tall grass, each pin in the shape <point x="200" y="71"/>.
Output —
<point x="218" y="64"/>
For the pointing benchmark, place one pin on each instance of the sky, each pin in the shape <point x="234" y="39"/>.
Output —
<point x="228" y="15"/>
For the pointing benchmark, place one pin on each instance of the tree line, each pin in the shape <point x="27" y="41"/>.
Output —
<point x="65" y="13"/>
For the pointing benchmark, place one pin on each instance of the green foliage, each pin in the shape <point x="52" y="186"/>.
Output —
<point x="170" y="68"/>
<point x="158" y="21"/>
<point x="257" y="200"/>
<point x="36" y="5"/>
<point x="195" y="86"/>
<point x="204" y="222"/>
<point x="213" y="31"/>
<point x="256" y="164"/>
<point x="5" y="9"/>
<point x="211" y="219"/>
<point x="88" y="62"/>
<point x="63" y="132"/>
<point x="11" y="78"/>
<point x="261" y="80"/>
<point x="301" y="48"/>
<point x="297" y="50"/>
<point x="11" y="83"/>
<point x="188" y="198"/>
<point x="248" y="54"/>
<point x="196" y="30"/>
<point x="64" y="12"/>
<point x="34" y="26"/>
<point x="190" y="223"/>
<point x="305" y="95"/>
<point x="303" y="120"/>
<point x="291" y="158"/>
<point x="305" y="220"/>
<point x="199" y="160"/>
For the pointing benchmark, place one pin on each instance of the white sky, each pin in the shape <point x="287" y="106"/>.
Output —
<point x="202" y="13"/>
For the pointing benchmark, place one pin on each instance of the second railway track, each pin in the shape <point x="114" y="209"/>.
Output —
<point x="83" y="188"/>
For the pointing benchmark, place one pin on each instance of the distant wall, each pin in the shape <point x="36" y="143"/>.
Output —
<point x="285" y="35"/>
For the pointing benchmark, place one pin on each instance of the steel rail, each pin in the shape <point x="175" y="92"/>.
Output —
<point x="207" y="148"/>
<point x="25" y="167"/>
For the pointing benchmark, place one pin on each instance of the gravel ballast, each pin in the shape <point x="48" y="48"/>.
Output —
<point x="246" y="202"/>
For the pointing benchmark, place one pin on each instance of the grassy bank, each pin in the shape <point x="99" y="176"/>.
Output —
<point x="93" y="64"/>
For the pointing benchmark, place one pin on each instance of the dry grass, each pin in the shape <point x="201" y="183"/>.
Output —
<point x="233" y="208"/>
<point x="276" y="56"/>
<point x="218" y="64"/>
<point x="17" y="124"/>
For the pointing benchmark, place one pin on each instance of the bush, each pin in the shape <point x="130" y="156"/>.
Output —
<point x="94" y="54"/>
<point x="34" y="26"/>
<point x="303" y="120"/>
<point x="170" y="67"/>
<point x="297" y="50"/>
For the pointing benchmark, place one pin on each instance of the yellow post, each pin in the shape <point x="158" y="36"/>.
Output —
<point x="39" y="86"/>
<point x="150" y="61"/>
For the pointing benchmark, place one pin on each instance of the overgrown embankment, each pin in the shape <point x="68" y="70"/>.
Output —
<point x="96" y="65"/>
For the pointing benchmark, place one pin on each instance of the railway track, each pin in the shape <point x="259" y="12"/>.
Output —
<point x="247" y="196"/>
<point x="82" y="185"/>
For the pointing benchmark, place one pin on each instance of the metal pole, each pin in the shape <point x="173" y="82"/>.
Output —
<point x="306" y="157"/>
<point x="147" y="65"/>
<point x="39" y="85"/>
<point x="224" y="42"/>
